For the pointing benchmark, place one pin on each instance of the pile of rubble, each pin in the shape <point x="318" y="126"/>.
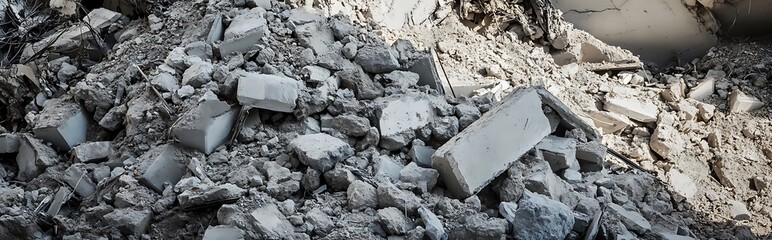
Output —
<point x="262" y="120"/>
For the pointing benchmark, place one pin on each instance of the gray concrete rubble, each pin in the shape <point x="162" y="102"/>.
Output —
<point x="223" y="232"/>
<point x="78" y="178"/>
<point x="271" y="222"/>
<point x="386" y="167"/>
<point x="458" y="160"/>
<point x="559" y="152"/>
<point x="198" y="74"/>
<point x="271" y="92"/>
<point x="391" y="196"/>
<point x="9" y="143"/>
<point x="361" y="195"/>
<point x="376" y="59"/>
<point x="631" y="219"/>
<point x="399" y="117"/>
<point x="62" y="123"/>
<point x="245" y="31"/>
<point x="92" y="151"/>
<point x="635" y="109"/>
<point x="741" y="102"/>
<point x="421" y="155"/>
<point x="393" y="221"/>
<point x="34" y="157"/>
<point x="163" y="167"/>
<point x="320" y="151"/>
<point x="434" y="228"/>
<point x="419" y="177"/>
<point x="206" y="126"/>
<point x="197" y="198"/>
<point x="62" y="196"/>
<point x="548" y="219"/>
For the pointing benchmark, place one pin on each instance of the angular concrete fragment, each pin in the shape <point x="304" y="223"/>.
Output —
<point x="590" y="153"/>
<point x="129" y="221"/>
<point x="391" y="196"/>
<point x="471" y="159"/>
<point x="361" y="195"/>
<point x="62" y="123"/>
<point x="568" y="118"/>
<point x="422" y="178"/>
<point x="9" y="143"/>
<point x="224" y="232"/>
<point x="559" y="152"/>
<point x="431" y="73"/>
<point x="195" y="198"/>
<point x="704" y="89"/>
<point x="206" y="126"/>
<point x="738" y="210"/>
<point x="740" y="102"/>
<point x="351" y="125"/>
<point x="316" y="36"/>
<point x="682" y="183"/>
<point x="275" y="93"/>
<point x="545" y="218"/>
<point x="609" y="122"/>
<point x="271" y="222"/>
<point x="246" y="29"/>
<point x="198" y="74"/>
<point x="632" y="220"/>
<point x="77" y="177"/>
<point x="421" y="155"/>
<point x="164" y="167"/>
<point x="62" y="196"/>
<point x="400" y="116"/>
<point x="393" y="221"/>
<point x="320" y="151"/>
<point x="92" y="151"/>
<point x="667" y="141"/>
<point x="433" y="225"/>
<point x="640" y="111"/>
<point x="762" y="182"/>
<point x="376" y="59"/>
<point x="34" y="157"/>
<point x="387" y="167"/>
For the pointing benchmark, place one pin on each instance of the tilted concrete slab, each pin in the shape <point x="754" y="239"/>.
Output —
<point x="431" y="73"/>
<point x="34" y="157"/>
<point x="639" y="26"/>
<point x="485" y="149"/>
<point x="206" y="126"/>
<point x="247" y="29"/>
<point x="62" y="123"/>
<point x="92" y="151"/>
<point x="271" y="92"/>
<point x="163" y="166"/>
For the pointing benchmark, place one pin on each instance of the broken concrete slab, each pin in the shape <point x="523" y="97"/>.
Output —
<point x="271" y="222"/>
<point x="704" y="89"/>
<point x="741" y="102"/>
<point x="458" y="160"/>
<point x="9" y="143"/>
<point x="434" y="228"/>
<point x="391" y="196"/>
<point x="34" y="157"/>
<point x="62" y="196"/>
<point x="590" y="155"/>
<point x="631" y="219"/>
<point x="546" y="218"/>
<point x="645" y="112"/>
<point x="271" y="92"/>
<point x="78" y="178"/>
<point x="400" y="116"/>
<point x="199" y="198"/>
<point x="206" y="126"/>
<point x="92" y="151"/>
<point x="568" y="118"/>
<point x="361" y="195"/>
<point x="559" y="152"/>
<point x="163" y="167"/>
<point x="356" y="79"/>
<point x="129" y="221"/>
<point x="320" y="151"/>
<point x="431" y="73"/>
<point x="246" y="29"/>
<point x="224" y="232"/>
<point x="62" y="123"/>
<point x="421" y="178"/>
<point x="609" y="122"/>
<point x="376" y="59"/>
<point x="351" y="125"/>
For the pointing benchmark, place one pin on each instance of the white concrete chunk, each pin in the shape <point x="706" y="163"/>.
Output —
<point x="400" y="116"/>
<point x="609" y="122"/>
<point x="740" y="102"/>
<point x="739" y="211"/>
<point x="471" y="159"/>
<point x="62" y="123"/>
<point x="271" y="92"/>
<point x="703" y="90"/>
<point x="92" y="151"/>
<point x="559" y="152"/>
<point x="682" y="183"/>
<point x="640" y="111"/>
<point x="632" y="220"/>
<point x="271" y="221"/>
<point x="320" y="151"/>
<point x="206" y="126"/>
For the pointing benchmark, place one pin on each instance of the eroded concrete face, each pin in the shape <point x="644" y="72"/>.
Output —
<point x="657" y="30"/>
<point x="470" y="160"/>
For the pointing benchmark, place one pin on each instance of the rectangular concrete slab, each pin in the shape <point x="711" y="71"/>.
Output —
<point x="163" y="169"/>
<point x="474" y="157"/>
<point x="271" y="92"/>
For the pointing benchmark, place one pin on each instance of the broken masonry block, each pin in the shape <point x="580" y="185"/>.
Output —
<point x="434" y="228"/>
<point x="738" y="210"/>
<point x="216" y="31"/>
<point x="34" y="157"/>
<point x="163" y="167"/>
<point x="245" y="31"/>
<point x="78" y="178"/>
<point x="206" y="126"/>
<point x="92" y="151"/>
<point x="568" y="118"/>
<point x="740" y="102"/>
<point x="376" y="59"/>
<point x="485" y="149"/>
<point x="198" y="74"/>
<point x="224" y="232"/>
<point x="62" y="123"/>
<point x="631" y="219"/>
<point x="320" y="151"/>
<point x="546" y="218"/>
<point x="637" y="110"/>
<point x="421" y="178"/>
<point x="361" y="195"/>
<point x="271" y="222"/>
<point x="667" y="141"/>
<point x="707" y="87"/>
<point x="62" y="196"/>
<point x="198" y="198"/>
<point x="356" y="79"/>
<point x="129" y="221"/>
<point x="387" y="167"/>
<point x="559" y="152"/>
<point x="271" y="92"/>
<point x="590" y="155"/>
<point x="421" y="155"/>
<point x="609" y="122"/>
<point x="315" y="35"/>
<point x="9" y="143"/>
<point x="682" y="184"/>
<point x="400" y="116"/>
<point x="393" y="221"/>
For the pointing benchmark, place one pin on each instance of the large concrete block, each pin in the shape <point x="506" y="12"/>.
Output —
<point x="400" y="116"/>
<point x="320" y="151"/>
<point x="275" y="93"/>
<point x="247" y="29"/>
<point x="34" y="157"/>
<point x="741" y="102"/>
<point x="92" y="151"/>
<point x="163" y="167"/>
<point x="62" y="123"/>
<point x="633" y="108"/>
<point x="271" y="222"/>
<point x="206" y="126"/>
<point x="474" y="157"/>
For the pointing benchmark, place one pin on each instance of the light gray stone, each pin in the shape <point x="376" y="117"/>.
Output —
<point x="559" y="152"/>
<point x="631" y="219"/>
<point x="399" y="117"/>
<point x="199" y="49"/>
<point x="387" y="167"/>
<point x="164" y="168"/>
<point x="738" y="210"/>
<point x="223" y="232"/>
<point x="391" y="196"/>
<point x="422" y="155"/>
<point x="393" y="221"/>
<point x="361" y="195"/>
<point x="271" y="222"/>
<point x="245" y="31"/>
<point x="322" y="222"/>
<point x="320" y="151"/>
<point x="206" y="126"/>
<point x="166" y="82"/>
<point x="226" y="193"/>
<point x="62" y="123"/>
<point x="434" y="228"/>
<point x="402" y="79"/>
<point x="198" y="74"/>
<point x="78" y="178"/>
<point x="34" y="157"/>
<point x="376" y="59"/>
<point x="271" y="92"/>
<point x="9" y="143"/>
<point x="351" y="125"/>
<point x="421" y="178"/>
<point x="129" y="221"/>
<point x="339" y="178"/>
<point x="315" y="35"/>
<point x="92" y="151"/>
<point x="545" y="218"/>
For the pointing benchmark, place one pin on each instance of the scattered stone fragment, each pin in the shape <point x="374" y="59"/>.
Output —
<point x="399" y="117"/>
<point x="316" y="74"/>
<point x="223" y="232"/>
<point x="706" y="111"/>
<point x="609" y="122"/>
<point x="321" y="151"/>
<point x="166" y="82"/>
<point x="245" y="30"/>
<point x="640" y="111"/>
<point x="226" y="193"/>
<point x="559" y="152"/>
<point x="163" y="168"/>
<point x="320" y="220"/>
<point x="34" y="157"/>
<point x="422" y="155"/>
<point x="590" y="155"/>
<point x="78" y="178"/>
<point x="391" y="196"/>
<point x="387" y="167"/>
<point x="762" y="182"/>
<point x="282" y="182"/>
<point x="92" y="151"/>
<point x="339" y="178"/>
<point x="356" y="79"/>
<point x="632" y="220"/>
<point x="422" y="178"/>
<point x="459" y="160"/>
<point x="129" y="221"/>
<point x="687" y="110"/>
<point x="351" y="125"/>
<point x="667" y="141"/>
<point x="316" y="36"/>
<point x="704" y="89"/>
<point x="198" y="74"/>
<point x="275" y="93"/>
<point x="740" y="102"/>
<point x="9" y="143"/>
<point x="739" y="211"/>
<point x="376" y="59"/>
<point x="682" y="183"/>
<point x="393" y="221"/>
<point x="206" y="126"/>
<point x="401" y="79"/>
<point x="199" y="49"/>
<point x="361" y="195"/>
<point x="466" y="114"/>
<point x="62" y="123"/>
<point x="434" y="228"/>
<point x="271" y="222"/>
